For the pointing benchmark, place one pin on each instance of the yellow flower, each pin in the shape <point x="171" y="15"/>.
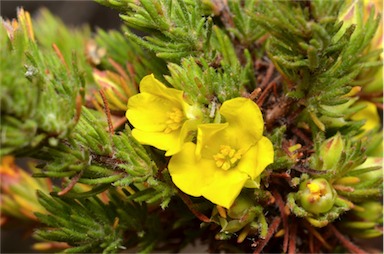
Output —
<point x="369" y="114"/>
<point x="225" y="156"/>
<point x="371" y="79"/>
<point x="161" y="116"/>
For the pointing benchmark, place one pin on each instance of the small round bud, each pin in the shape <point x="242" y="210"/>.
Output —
<point x="317" y="195"/>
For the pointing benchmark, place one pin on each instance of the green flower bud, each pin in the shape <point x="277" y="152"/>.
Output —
<point x="373" y="174"/>
<point x="371" y="211"/>
<point x="317" y="195"/>
<point x="240" y="207"/>
<point x="365" y="221"/>
<point x="330" y="151"/>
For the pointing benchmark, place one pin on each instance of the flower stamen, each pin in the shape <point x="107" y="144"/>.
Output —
<point x="316" y="190"/>
<point x="175" y="120"/>
<point x="227" y="157"/>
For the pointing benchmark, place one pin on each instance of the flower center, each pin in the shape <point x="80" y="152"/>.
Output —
<point x="227" y="157"/>
<point x="175" y="120"/>
<point x="316" y="190"/>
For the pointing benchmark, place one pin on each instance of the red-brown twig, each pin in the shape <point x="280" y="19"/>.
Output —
<point x="264" y="94"/>
<point x="271" y="230"/>
<point x="317" y="235"/>
<point x="298" y="132"/>
<point x="107" y="111"/>
<point x="61" y="57"/>
<point x="268" y="76"/>
<point x="119" y="122"/>
<point x="255" y="93"/>
<point x="191" y="207"/>
<point x="79" y="104"/>
<point x="292" y="238"/>
<point x="72" y="183"/>
<point x="345" y="242"/>
<point x="284" y="175"/>
<point x="311" y="243"/>
<point x="278" y="112"/>
<point x="119" y="69"/>
<point x="280" y="204"/>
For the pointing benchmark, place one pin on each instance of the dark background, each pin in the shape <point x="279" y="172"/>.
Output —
<point x="71" y="12"/>
<point x="15" y="237"/>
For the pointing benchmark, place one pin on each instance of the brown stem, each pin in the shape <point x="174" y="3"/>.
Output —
<point x="278" y="112"/>
<point x="107" y="111"/>
<point x="314" y="233"/>
<point x="271" y="230"/>
<point x="79" y="103"/>
<point x="292" y="238"/>
<point x="302" y="135"/>
<point x="264" y="94"/>
<point x="191" y="207"/>
<point x="119" y="122"/>
<point x="281" y="175"/>
<point x="61" y="57"/>
<point x="222" y="8"/>
<point x="346" y="242"/>
<point x="281" y="205"/>
<point x="369" y="96"/>
<point x="255" y="93"/>
<point x="311" y="244"/>
<point x="72" y="183"/>
<point x="119" y="69"/>
<point x="268" y="76"/>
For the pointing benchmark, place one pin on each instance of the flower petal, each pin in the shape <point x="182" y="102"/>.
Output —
<point x="184" y="135"/>
<point x="164" y="141"/>
<point x="369" y="114"/>
<point x="257" y="158"/>
<point x="243" y="115"/>
<point x="149" y="84"/>
<point x="148" y="112"/>
<point x="188" y="174"/>
<point x="209" y="138"/>
<point x="225" y="187"/>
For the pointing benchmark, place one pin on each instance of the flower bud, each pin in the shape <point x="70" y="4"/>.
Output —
<point x="365" y="221"/>
<point x="370" y="78"/>
<point x="239" y="207"/>
<point x="118" y="88"/>
<point x="372" y="211"/>
<point x="373" y="174"/>
<point x="330" y="151"/>
<point x="317" y="195"/>
<point x="16" y="202"/>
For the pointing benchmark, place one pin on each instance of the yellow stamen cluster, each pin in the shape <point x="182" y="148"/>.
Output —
<point x="227" y="157"/>
<point x="175" y="120"/>
<point x="316" y="190"/>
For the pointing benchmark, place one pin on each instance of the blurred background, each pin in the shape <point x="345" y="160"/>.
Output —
<point x="71" y="12"/>
<point x="14" y="237"/>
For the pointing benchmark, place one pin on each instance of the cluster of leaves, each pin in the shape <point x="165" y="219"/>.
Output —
<point x="35" y="90"/>
<point x="98" y="158"/>
<point x="317" y="59"/>
<point x="106" y="223"/>
<point x="201" y="57"/>
<point x="76" y="145"/>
